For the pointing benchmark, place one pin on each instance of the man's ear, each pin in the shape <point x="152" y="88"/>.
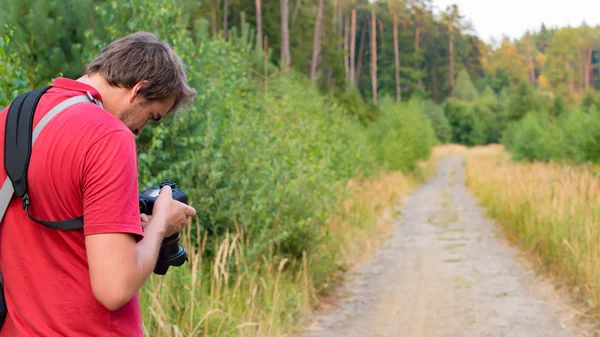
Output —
<point x="133" y="93"/>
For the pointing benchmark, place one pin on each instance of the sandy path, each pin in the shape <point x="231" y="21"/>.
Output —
<point x="446" y="272"/>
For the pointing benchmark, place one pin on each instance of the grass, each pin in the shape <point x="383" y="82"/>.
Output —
<point x="550" y="210"/>
<point x="231" y="295"/>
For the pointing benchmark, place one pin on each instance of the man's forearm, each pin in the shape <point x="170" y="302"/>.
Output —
<point x="146" y="255"/>
<point x="119" y="266"/>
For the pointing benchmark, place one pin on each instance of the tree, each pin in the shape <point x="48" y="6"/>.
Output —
<point x="396" y="52"/>
<point x="259" y="33"/>
<point x="452" y="19"/>
<point x="285" y="36"/>
<point x="374" y="53"/>
<point x="353" y="48"/>
<point x="225" y="13"/>
<point x="316" y="43"/>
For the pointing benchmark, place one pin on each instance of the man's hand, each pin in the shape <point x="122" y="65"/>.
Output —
<point x="174" y="214"/>
<point x="145" y="219"/>
<point x="118" y="265"/>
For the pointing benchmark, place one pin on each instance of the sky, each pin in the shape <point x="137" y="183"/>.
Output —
<point x="495" y="18"/>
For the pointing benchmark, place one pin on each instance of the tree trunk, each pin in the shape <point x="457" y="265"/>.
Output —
<point x="361" y="52"/>
<point x="285" y="36"/>
<point x="296" y="10"/>
<point x="225" y="13"/>
<point x="346" y="38"/>
<point x="334" y="11"/>
<point x="451" y="52"/>
<point x="435" y="82"/>
<point x="353" y="47"/>
<point x="584" y="72"/>
<point x="417" y="32"/>
<point x="590" y="69"/>
<point x="531" y="70"/>
<point x="340" y="16"/>
<point x="397" y="57"/>
<point x="316" y="44"/>
<point x="259" y="34"/>
<point x="570" y="79"/>
<point x="417" y="65"/>
<point x="214" y="19"/>
<point x="374" y="54"/>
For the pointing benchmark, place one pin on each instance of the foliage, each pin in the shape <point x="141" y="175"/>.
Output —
<point x="402" y="135"/>
<point x="48" y="36"/>
<point x="467" y="125"/>
<point x="12" y="82"/>
<point x="572" y="138"/>
<point x="438" y="120"/>
<point x="530" y="141"/>
<point x="464" y="89"/>
<point x="353" y="103"/>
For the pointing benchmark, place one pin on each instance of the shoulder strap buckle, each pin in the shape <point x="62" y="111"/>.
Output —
<point x="26" y="201"/>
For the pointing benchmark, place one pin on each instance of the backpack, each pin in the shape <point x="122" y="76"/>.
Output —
<point x="18" y="141"/>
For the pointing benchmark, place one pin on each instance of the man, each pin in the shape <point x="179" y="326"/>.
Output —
<point x="85" y="282"/>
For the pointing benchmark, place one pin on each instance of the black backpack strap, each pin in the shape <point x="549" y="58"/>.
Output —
<point x="18" y="138"/>
<point x="18" y="141"/>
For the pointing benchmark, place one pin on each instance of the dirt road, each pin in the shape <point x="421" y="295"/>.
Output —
<point x="446" y="272"/>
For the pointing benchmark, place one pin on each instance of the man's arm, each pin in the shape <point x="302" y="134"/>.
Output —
<point x="119" y="260"/>
<point x="119" y="266"/>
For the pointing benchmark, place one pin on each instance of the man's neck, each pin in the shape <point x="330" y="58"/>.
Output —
<point x="97" y="82"/>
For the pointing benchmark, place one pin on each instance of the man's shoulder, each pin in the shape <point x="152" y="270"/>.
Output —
<point x="87" y="121"/>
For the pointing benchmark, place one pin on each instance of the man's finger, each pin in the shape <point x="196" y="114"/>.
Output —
<point x="190" y="211"/>
<point x="166" y="190"/>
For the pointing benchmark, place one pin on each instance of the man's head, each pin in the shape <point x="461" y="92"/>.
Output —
<point x="140" y="78"/>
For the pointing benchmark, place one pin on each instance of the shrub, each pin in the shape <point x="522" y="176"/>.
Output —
<point x="402" y="135"/>
<point x="439" y="122"/>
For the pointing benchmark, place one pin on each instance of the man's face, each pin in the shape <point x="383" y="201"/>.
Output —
<point x="137" y="114"/>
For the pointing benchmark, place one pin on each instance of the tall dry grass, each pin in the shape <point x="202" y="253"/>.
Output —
<point x="231" y="295"/>
<point x="551" y="210"/>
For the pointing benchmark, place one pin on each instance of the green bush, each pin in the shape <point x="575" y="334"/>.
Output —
<point x="402" y="135"/>
<point x="529" y="140"/>
<point x="439" y="122"/>
<point x="468" y="126"/>
<point x="573" y="137"/>
<point x="353" y="103"/>
<point x="535" y="138"/>
<point x="581" y="135"/>
<point x="12" y="82"/>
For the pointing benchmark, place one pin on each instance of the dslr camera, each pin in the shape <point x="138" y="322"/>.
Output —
<point x="171" y="253"/>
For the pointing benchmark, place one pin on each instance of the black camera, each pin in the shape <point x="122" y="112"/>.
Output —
<point x="171" y="253"/>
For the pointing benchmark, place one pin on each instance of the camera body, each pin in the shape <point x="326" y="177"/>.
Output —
<point x="171" y="253"/>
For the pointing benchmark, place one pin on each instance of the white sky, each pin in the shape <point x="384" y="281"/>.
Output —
<point x="514" y="17"/>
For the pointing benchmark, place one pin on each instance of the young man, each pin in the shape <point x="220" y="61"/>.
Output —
<point x="85" y="282"/>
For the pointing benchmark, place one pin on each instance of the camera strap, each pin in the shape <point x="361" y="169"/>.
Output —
<point x="18" y="142"/>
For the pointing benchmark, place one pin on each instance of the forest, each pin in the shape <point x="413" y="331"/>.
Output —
<point x="360" y="53"/>
<point x="302" y="103"/>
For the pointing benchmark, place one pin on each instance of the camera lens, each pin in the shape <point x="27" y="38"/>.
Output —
<point x="170" y="254"/>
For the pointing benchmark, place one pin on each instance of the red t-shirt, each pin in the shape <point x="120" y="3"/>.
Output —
<point x="83" y="163"/>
